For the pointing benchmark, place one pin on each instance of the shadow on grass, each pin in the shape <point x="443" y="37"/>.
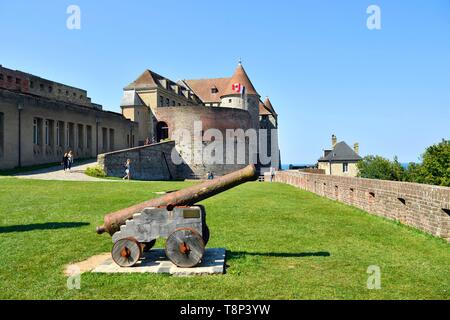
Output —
<point x="240" y="254"/>
<point x="42" y="226"/>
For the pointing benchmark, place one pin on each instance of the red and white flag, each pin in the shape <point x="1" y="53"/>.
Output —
<point x="238" y="88"/>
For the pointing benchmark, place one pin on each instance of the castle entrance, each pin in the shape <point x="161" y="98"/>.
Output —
<point x="162" y="131"/>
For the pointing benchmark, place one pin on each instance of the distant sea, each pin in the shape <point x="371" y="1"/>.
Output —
<point x="286" y="166"/>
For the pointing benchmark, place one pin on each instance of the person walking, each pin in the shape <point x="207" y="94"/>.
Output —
<point x="65" y="161"/>
<point x="272" y="174"/>
<point x="70" y="160"/>
<point x="127" y="170"/>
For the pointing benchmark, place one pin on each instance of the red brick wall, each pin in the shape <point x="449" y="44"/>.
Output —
<point x="424" y="207"/>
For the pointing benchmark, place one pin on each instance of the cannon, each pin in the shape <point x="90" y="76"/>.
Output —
<point x="175" y="217"/>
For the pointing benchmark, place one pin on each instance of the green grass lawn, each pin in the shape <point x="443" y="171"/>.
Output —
<point x="282" y="243"/>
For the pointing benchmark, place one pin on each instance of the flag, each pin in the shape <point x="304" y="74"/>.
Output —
<point x="238" y="88"/>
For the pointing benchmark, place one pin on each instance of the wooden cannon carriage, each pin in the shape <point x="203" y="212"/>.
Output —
<point x="175" y="217"/>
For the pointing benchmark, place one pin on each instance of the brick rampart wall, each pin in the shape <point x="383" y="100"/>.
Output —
<point x="424" y="207"/>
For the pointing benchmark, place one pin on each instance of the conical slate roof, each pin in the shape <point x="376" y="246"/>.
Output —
<point x="240" y="76"/>
<point x="269" y="106"/>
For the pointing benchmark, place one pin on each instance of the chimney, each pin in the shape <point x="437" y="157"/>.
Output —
<point x="356" y="147"/>
<point x="333" y="140"/>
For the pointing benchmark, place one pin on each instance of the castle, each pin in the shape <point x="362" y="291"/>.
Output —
<point x="160" y="106"/>
<point x="41" y="119"/>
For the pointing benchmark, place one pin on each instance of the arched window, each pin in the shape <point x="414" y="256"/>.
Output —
<point x="162" y="131"/>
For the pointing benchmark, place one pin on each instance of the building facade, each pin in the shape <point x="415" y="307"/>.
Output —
<point x="340" y="160"/>
<point x="160" y="106"/>
<point x="41" y="119"/>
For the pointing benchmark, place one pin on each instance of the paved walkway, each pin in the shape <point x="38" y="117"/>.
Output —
<point x="57" y="173"/>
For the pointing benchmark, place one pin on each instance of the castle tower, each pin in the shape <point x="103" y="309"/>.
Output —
<point x="240" y="93"/>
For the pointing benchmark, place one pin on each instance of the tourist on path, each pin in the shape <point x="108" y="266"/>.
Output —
<point x="65" y="161"/>
<point x="70" y="160"/>
<point x="127" y="170"/>
<point x="272" y="174"/>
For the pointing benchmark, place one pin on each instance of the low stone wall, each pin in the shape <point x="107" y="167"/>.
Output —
<point x="424" y="207"/>
<point x="152" y="162"/>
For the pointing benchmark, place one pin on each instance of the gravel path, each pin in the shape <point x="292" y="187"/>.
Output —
<point x="57" y="173"/>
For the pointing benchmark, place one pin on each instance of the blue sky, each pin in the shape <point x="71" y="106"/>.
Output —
<point x="324" y="71"/>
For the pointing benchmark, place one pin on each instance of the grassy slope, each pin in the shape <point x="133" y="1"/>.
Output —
<point x="283" y="243"/>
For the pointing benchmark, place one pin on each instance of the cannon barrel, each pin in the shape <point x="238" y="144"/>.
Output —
<point x="184" y="197"/>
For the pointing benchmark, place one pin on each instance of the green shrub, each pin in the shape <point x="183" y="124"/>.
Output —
<point x="96" y="172"/>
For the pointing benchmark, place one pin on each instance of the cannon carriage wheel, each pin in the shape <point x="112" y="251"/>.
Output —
<point x="126" y="252"/>
<point x="185" y="247"/>
<point x="205" y="234"/>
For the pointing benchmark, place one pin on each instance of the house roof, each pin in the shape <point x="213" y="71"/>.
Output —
<point x="341" y="152"/>
<point x="240" y="76"/>
<point x="269" y="106"/>
<point x="263" y="111"/>
<point x="145" y="81"/>
<point x="203" y="88"/>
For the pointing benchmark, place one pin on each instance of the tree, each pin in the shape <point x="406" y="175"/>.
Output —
<point x="376" y="167"/>
<point x="435" y="168"/>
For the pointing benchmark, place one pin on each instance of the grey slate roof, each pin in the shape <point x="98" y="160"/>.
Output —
<point x="341" y="152"/>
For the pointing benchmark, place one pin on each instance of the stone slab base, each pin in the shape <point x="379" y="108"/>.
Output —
<point x="155" y="261"/>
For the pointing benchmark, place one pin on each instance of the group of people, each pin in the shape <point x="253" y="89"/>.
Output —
<point x="67" y="161"/>
<point x="149" y="141"/>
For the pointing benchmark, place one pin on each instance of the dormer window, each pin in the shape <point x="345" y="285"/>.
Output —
<point x="214" y="90"/>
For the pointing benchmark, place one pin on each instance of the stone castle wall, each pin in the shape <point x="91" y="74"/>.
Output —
<point x="152" y="162"/>
<point x="424" y="207"/>
<point x="184" y="118"/>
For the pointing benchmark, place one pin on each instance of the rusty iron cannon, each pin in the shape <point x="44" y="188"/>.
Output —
<point x="174" y="216"/>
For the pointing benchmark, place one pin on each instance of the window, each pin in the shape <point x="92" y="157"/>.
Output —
<point x="58" y="133"/>
<point x="37" y="127"/>
<point x="47" y="133"/>
<point x="345" y="167"/>
<point x="2" y="134"/>
<point x="80" y="129"/>
<point x="229" y="100"/>
<point x="161" y="101"/>
<point x="41" y="87"/>
<point x="167" y="102"/>
<point x="104" y="139"/>
<point x="111" y="139"/>
<point x="179" y="104"/>
<point x="70" y="135"/>
<point x="9" y="78"/>
<point x="31" y="84"/>
<point x="18" y="80"/>
<point x="89" y="137"/>
<point x="214" y="90"/>
<point x="173" y="103"/>
<point x="67" y="93"/>
<point x="50" y="89"/>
